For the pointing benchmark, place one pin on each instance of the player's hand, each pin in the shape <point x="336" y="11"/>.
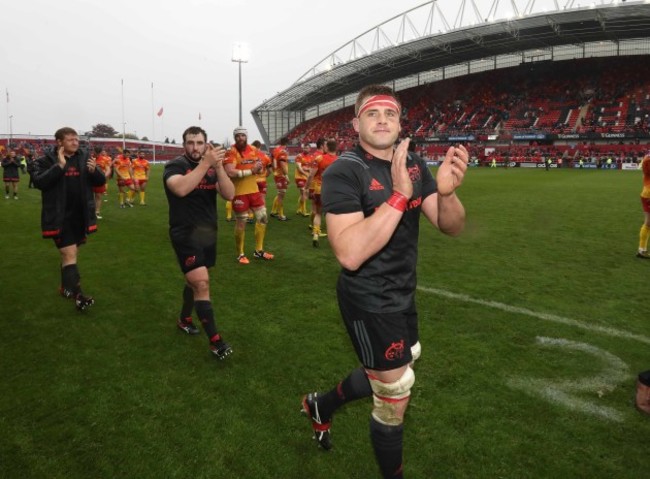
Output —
<point x="61" y="157"/>
<point x="401" y="179"/>
<point x="214" y="156"/>
<point x="257" y="169"/>
<point x="452" y="170"/>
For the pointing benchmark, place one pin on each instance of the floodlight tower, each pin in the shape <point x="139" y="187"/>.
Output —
<point x="240" y="54"/>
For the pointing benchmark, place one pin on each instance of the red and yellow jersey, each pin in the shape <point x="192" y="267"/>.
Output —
<point x="314" y="160"/>
<point x="266" y="162"/>
<point x="244" y="160"/>
<point x="140" y="169"/>
<point x="104" y="162"/>
<point x="304" y="160"/>
<point x="280" y="156"/>
<point x="645" y="166"/>
<point x="122" y="166"/>
<point x="321" y="165"/>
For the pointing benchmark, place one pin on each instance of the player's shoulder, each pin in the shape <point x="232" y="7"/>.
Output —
<point x="351" y="159"/>
<point x="179" y="161"/>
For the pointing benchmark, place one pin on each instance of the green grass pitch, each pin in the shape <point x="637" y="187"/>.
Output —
<point x="534" y="325"/>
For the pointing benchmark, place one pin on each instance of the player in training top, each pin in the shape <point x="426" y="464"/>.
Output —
<point x="373" y="197"/>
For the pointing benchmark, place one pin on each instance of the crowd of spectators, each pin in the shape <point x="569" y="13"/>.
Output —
<point x="589" y="96"/>
<point x="37" y="147"/>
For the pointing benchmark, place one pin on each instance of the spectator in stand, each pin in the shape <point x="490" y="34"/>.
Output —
<point x="642" y="252"/>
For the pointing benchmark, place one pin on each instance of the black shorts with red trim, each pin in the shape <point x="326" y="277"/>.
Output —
<point x="72" y="232"/>
<point x="191" y="256"/>
<point x="382" y="341"/>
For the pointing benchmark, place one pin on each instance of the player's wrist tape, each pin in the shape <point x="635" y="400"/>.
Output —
<point x="398" y="201"/>
<point x="242" y="173"/>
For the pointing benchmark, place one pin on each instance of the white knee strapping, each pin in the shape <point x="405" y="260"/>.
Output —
<point x="416" y="351"/>
<point x="260" y="215"/>
<point x="386" y="397"/>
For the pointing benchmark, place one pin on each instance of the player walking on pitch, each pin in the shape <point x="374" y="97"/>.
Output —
<point x="373" y="197"/>
<point x="192" y="182"/>
<point x="642" y="252"/>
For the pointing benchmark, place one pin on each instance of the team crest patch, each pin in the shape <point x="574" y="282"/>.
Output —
<point x="190" y="260"/>
<point x="414" y="173"/>
<point x="395" y="351"/>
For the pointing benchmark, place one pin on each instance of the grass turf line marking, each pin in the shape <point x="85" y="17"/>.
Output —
<point x="560" y="391"/>
<point x="545" y="316"/>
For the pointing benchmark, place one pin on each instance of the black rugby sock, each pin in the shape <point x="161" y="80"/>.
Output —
<point x="70" y="278"/>
<point x="355" y="386"/>
<point x="387" y="441"/>
<point x="188" y="303"/>
<point x="206" y="315"/>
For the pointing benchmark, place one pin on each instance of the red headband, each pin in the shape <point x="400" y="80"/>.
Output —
<point x="375" y="101"/>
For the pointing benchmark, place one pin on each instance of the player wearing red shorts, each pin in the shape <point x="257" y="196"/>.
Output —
<point x="124" y="174"/>
<point x="318" y="153"/>
<point x="243" y="163"/>
<point x="281" y="176"/>
<point x="303" y="159"/>
<point x="103" y="162"/>
<point x="315" y="181"/>
<point x="141" y="175"/>
<point x="645" y="201"/>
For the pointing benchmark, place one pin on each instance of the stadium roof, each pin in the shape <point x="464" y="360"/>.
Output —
<point x="422" y="39"/>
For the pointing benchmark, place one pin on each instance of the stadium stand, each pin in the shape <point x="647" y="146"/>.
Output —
<point x="38" y="144"/>
<point x="601" y="106"/>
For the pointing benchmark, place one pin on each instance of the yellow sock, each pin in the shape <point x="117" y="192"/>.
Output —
<point x="281" y="210"/>
<point x="239" y="241"/>
<point x="121" y="197"/>
<point x="643" y="237"/>
<point x="260" y="232"/>
<point x="142" y="197"/>
<point x="299" y="210"/>
<point x="274" y="210"/>
<point x="316" y="230"/>
<point x="250" y="215"/>
<point x="228" y="210"/>
<point x="130" y="195"/>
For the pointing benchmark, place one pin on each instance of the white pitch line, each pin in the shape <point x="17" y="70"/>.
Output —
<point x="544" y="316"/>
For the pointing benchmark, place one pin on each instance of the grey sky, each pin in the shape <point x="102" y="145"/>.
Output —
<point x="63" y="61"/>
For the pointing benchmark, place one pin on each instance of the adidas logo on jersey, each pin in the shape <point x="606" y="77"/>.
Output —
<point x="375" y="185"/>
